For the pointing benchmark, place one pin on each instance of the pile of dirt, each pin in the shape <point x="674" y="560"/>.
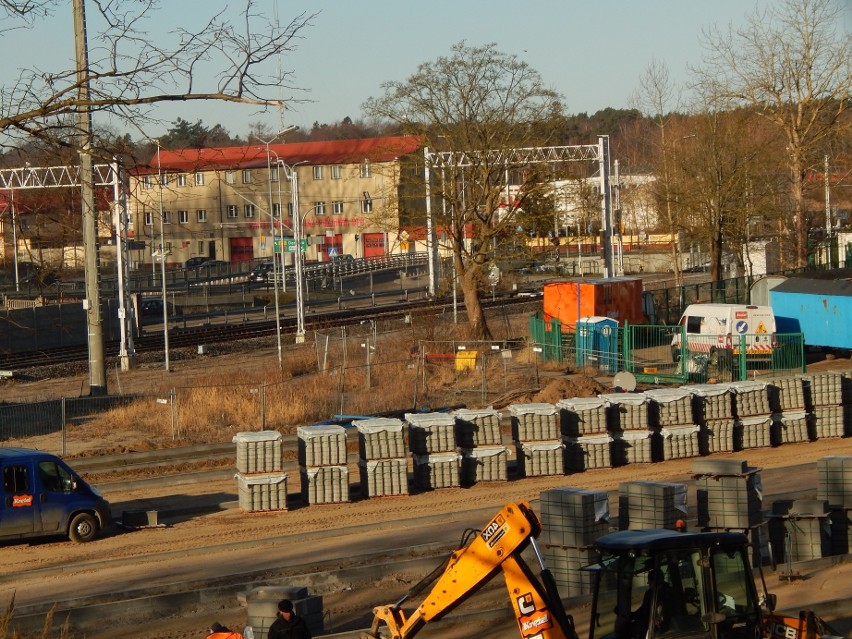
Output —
<point x="553" y="390"/>
<point x="566" y="387"/>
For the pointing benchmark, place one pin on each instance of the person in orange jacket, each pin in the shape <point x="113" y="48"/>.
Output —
<point x="218" y="631"/>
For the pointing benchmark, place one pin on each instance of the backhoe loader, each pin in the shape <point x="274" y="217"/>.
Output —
<point x="648" y="584"/>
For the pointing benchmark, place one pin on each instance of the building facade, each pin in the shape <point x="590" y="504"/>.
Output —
<point x="238" y="204"/>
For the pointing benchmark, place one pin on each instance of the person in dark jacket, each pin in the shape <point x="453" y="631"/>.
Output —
<point x="288" y="625"/>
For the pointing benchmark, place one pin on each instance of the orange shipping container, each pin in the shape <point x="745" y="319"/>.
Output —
<point x="619" y="298"/>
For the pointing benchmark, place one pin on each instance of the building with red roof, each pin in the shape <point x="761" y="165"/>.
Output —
<point x="228" y="203"/>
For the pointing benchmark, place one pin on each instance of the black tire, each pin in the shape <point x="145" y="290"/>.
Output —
<point x="83" y="528"/>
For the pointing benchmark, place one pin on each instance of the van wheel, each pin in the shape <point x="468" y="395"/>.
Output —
<point x="83" y="528"/>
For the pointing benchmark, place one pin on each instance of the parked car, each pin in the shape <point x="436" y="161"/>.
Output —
<point x="261" y="272"/>
<point x="44" y="497"/>
<point x="153" y="308"/>
<point x="195" y="261"/>
<point x="211" y="263"/>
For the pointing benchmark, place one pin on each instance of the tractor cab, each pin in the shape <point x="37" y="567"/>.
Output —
<point x="663" y="583"/>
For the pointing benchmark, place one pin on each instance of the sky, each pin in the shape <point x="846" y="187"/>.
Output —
<point x="593" y="52"/>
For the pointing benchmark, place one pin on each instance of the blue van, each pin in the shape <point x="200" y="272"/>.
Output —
<point x="43" y="497"/>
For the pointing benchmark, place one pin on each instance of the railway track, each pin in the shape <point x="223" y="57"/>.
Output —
<point x="193" y="336"/>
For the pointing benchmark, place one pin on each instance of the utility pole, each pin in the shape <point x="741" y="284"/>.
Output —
<point x="92" y="303"/>
<point x="606" y="204"/>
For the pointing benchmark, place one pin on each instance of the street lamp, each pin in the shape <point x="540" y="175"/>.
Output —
<point x="15" y="243"/>
<point x="161" y="255"/>
<point x="289" y="129"/>
<point x="297" y="238"/>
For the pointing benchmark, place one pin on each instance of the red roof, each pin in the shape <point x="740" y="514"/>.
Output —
<point x="312" y="153"/>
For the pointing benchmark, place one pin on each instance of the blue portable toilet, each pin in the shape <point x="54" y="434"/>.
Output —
<point x="596" y="339"/>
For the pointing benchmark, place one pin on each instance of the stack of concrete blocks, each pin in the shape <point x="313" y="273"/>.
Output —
<point x="571" y="520"/>
<point x="262" y="608"/>
<point x="261" y="482"/>
<point x="588" y="444"/>
<point x="538" y="440"/>
<point x="834" y="487"/>
<point x="713" y="411"/>
<point x="729" y="497"/>
<point x="650" y="504"/>
<point x="671" y="415"/>
<point x="830" y="403"/>
<point x="432" y="442"/>
<point x="480" y="439"/>
<point x="753" y="414"/>
<point x="323" y="464"/>
<point x="791" y="420"/>
<point x="800" y="529"/>
<point x="382" y="457"/>
<point x="728" y="494"/>
<point x="634" y="441"/>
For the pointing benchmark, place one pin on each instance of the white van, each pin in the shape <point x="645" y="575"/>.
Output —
<point x="714" y="329"/>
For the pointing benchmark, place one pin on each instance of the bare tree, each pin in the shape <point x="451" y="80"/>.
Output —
<point x="793" y="65"/>
<point x="129" y="71"/>
<point x="473" y="106"/>
<point x="719" y="183"/>
<point x="658" y="98"/>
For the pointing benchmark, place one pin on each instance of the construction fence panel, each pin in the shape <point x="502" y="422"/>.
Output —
<point x="547" y="338"/>
<point x="651" y="356"/>
<point x="482" y="369"/>
<point x="53" y="420"/>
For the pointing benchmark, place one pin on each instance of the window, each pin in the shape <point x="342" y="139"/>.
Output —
<point x="230" y="177"/>
<point x="147" y="182"/>
<point x="248" y="210"/>
<point x="336" y="172"/>
<point x="367" y="204"/>
<point x="167" y="217"/>
<point x="201" y="216"/>
<point x="319" y="208"/>
<point x="317" y="172"/>
<point x="199" y="179"/>
<point x="165" y="178"/>
<point x="732" y="593"/>
<point x="181" y="179"/>
<point x="337" y="207"/>
<point x="183" y="217"/>
<point x="149" y="219"/>
<point x="54" y="478"/>
<point x="276" y="209"/>
<point x="273" y="174"/>
<point x="200" y="247"/>
<point x="246" y="176"/>
<point x="232" y="211"/>
<point x="365" y="169"/>
<point x="16" y="479"/>
<point x="290" y="210"/>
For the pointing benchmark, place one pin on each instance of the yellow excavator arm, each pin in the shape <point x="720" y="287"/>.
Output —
<point x="496" y="548"/>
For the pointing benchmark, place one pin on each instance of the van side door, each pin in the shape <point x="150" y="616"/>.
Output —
<point x="18" y="516"/>
<point x="55" y="496"/>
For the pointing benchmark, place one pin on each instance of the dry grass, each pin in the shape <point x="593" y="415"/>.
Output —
<point x="47" y="631"/>
<point x="319" y="380"/>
